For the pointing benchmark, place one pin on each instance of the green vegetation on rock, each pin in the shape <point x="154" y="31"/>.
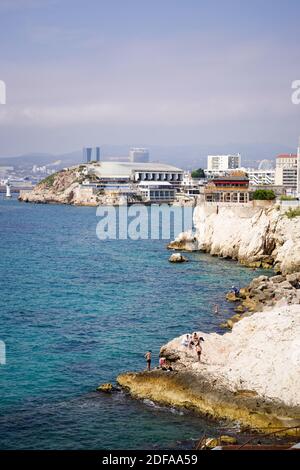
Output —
<point x="291" y="213"/>
<point x="49" y="181"/>
<point x="287" y="198"/>
<point x="264" y="195"/>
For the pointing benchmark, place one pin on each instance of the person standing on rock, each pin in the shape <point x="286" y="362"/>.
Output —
<point x="199" y="348"/>
<point x="148" y="357"/>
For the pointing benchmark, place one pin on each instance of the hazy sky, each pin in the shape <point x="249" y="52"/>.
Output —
<point x="172" y="72"/>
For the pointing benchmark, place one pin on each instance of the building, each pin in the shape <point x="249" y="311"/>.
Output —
<point x="157" y="191"/>
<point x="153" y="181"/>
<point x="230" y="189"/>
<point x="260" y="177"/>
<point x="223" y="162"/>
<point x="298" y="169"/>
<point x="139" y="155"/>
<point x="286" y="171"/>
<point x="91" y="154"/>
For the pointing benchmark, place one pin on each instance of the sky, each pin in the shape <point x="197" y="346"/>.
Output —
<point x="159" y="72"/>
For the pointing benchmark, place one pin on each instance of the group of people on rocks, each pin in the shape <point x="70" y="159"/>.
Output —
<point x="193" y="342"/>
<point x="162" y="362"/>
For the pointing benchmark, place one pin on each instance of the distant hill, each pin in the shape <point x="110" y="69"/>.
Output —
<point x="57" y="161"/>
<point x="185" y="156"/>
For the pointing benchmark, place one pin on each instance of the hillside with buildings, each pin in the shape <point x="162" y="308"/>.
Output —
<point x="97" y="183"/>
<point x="133" y="178"/>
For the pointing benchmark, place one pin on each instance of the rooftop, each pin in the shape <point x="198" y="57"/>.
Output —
<point x="231" y="178"/>
<point x="287" y="155"/>
<point x="125" y="169"/>
<point x="155" y="183"/>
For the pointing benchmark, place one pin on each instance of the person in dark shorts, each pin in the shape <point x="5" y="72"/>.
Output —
<point x="148" y="357"/>
<point x="199" y="348"/>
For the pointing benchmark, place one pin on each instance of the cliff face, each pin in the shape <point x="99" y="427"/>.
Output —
<point x="254" y="236"/>
<point x="251" y="374"/>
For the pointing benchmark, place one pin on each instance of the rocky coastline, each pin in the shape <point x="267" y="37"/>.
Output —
<point x="254" y="236"/>
<point x="264" y="294"/>
<point x="251" y="374"/>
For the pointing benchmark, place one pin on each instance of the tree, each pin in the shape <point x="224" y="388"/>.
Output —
<point x="264" y="194"/>
<point x="198" y="173"/>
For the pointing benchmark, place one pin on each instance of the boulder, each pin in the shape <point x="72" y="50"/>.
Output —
<point x="293" y="279"/>
<point x="244" y="291"/>
<point x="239" y="309"/>
<point x="231" y="297"/>
<point x="105" y="388"/>
<point x="228" y="439"/>
<point x="249" y="304"/>
<point x="277" y="279"/>
<point x="210" y="443"/>
<point x="285" y="285"/>
<point x="177" y="258"/>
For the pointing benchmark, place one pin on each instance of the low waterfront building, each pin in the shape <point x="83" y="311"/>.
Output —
<point x="229" y="189"/>
<point x="157" y="191"/>
<point x="153" y="182"/>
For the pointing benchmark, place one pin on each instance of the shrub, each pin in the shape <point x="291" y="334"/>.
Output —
<point x="264" y="195"/>
<point x="291" y="213"/>
<point x="287" y="198"/>
<point x="198" y="173"/>
<point x="49" y="180"/>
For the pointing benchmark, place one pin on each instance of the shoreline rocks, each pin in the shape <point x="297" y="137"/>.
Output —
<point x="263" y="294"/>
<point x="250" y="375"/>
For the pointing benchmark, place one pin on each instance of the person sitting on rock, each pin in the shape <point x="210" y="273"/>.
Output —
<point x="163" y="363"/>
<point x="186" y="341"/>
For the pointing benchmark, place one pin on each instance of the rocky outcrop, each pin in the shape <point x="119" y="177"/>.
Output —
<point x="250" y="375"/>
<point x="106" y="388"/>
<point x="177" y="258"/>
<point x="256" y="237"/>
<point x="65" y="187"/>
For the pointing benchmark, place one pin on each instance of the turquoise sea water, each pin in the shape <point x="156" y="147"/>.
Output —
<point x="76" y="311"/>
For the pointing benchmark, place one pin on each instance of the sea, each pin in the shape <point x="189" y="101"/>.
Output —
<point x="76" y="311"/>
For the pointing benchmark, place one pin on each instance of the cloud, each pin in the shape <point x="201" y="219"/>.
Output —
<point x="15" y="5"/>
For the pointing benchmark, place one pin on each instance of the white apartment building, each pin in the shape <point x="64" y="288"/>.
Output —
<point x="260" y="177"/>
<point x="223" y="162"/>
<point x="286" y="170"/>
<point x="139" y="155"/>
